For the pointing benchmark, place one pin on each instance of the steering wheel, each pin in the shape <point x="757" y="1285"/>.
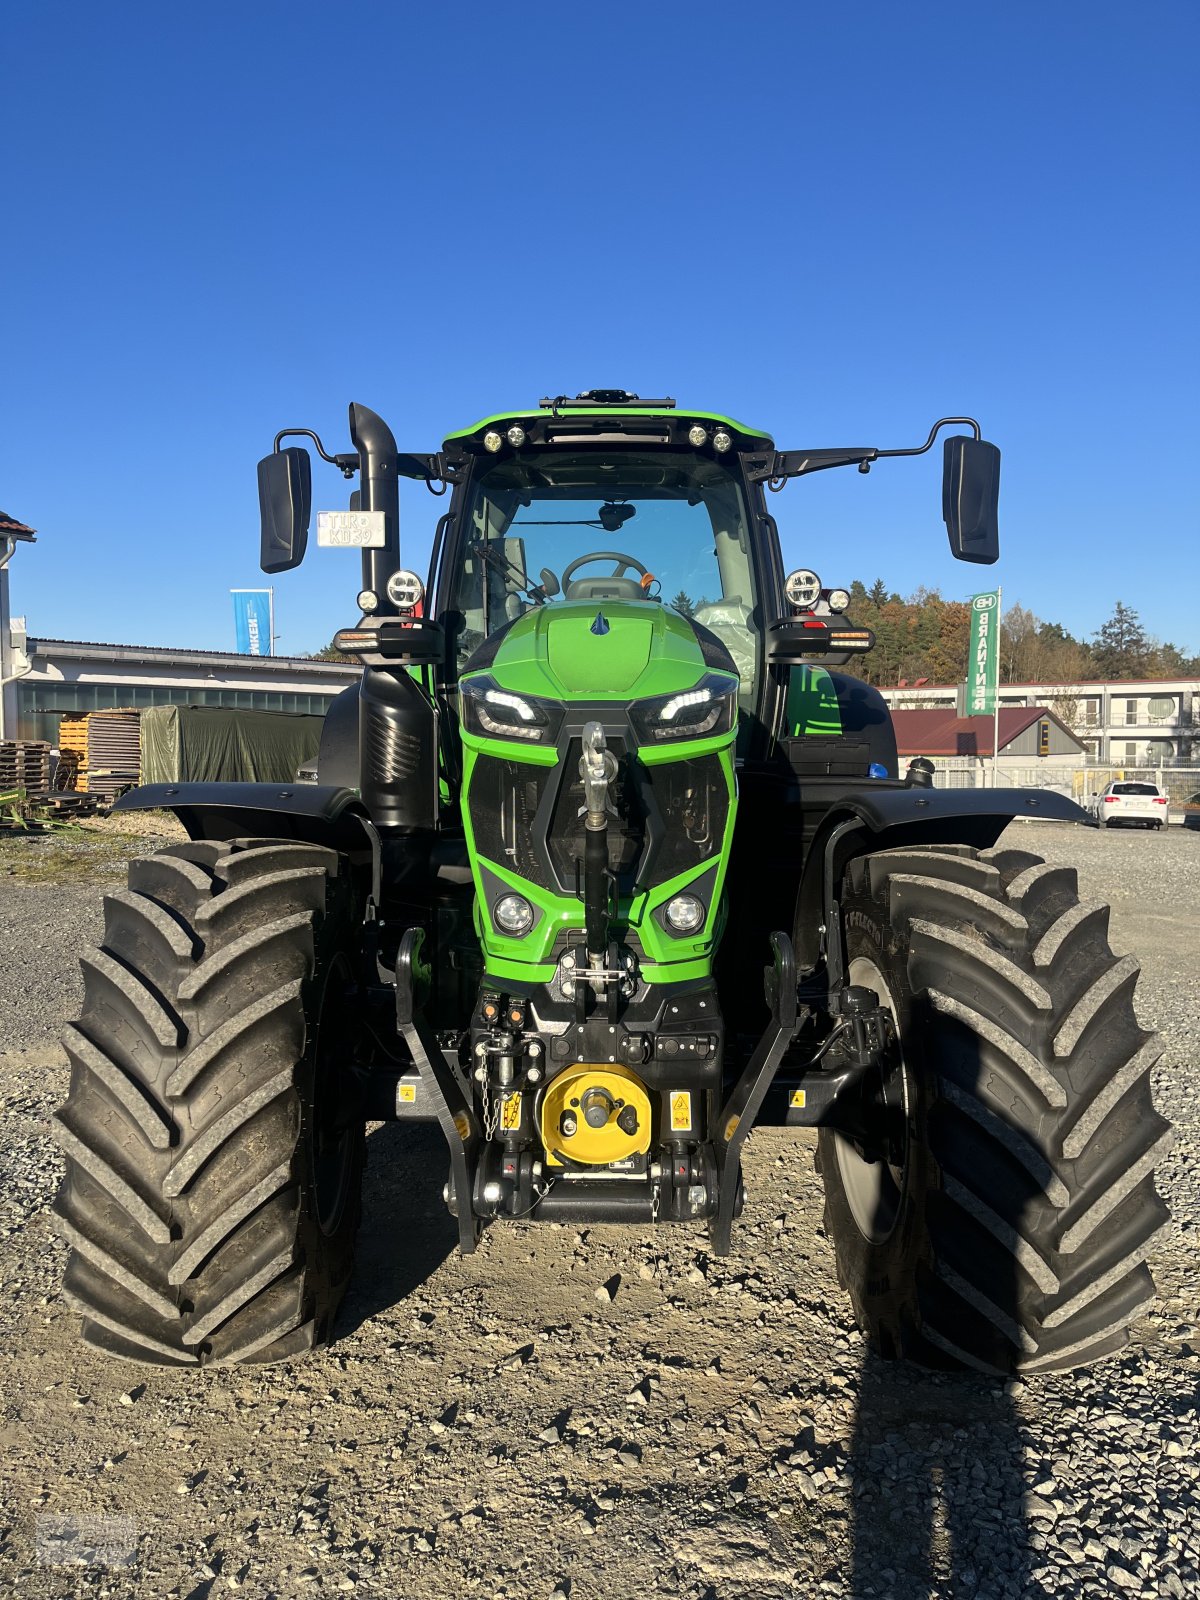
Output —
<point x="616" y="579"/>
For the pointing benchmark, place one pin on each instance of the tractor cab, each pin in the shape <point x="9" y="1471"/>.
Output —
<point x="648" y="510"/>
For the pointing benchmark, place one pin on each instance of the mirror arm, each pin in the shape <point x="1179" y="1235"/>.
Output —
<point x="432" y="468"/>
<point x="347" y="464"/>
<point x="775" y="470"/>
<point x="944" y="422"/>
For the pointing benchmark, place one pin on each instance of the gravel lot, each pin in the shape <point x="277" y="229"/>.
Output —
<point x="590" y="1413"/>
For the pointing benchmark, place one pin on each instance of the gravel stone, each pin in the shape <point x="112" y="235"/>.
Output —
<point x="779" y="1456"/>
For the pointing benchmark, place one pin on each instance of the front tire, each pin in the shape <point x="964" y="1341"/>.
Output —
<point x="1012" y="1231"/>
<point x="214" y="1159"/>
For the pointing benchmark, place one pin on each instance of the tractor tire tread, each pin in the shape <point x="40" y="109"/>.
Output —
<point x="182" y="1202"/>
<point x="1041" y="1128"/>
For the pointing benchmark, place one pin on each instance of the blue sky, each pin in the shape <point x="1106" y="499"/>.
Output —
<point x="836" y="223"/>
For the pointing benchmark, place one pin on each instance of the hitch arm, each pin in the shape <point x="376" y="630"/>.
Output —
<point x="443" y="1083"/>
<point x="737" y="1115"/>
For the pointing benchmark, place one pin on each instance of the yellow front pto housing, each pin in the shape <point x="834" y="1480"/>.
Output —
<point x="593" y="1116"/>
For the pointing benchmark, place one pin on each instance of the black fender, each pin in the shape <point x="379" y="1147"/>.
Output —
<point x="312" y="812"/>
<point x="882" y="816"/>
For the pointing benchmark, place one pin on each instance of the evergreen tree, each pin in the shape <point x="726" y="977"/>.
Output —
<point x="683" y="604"/>
<point x="1121" y="648"/>
<point x="329" y="652"/>
<point x="877" y="593"/>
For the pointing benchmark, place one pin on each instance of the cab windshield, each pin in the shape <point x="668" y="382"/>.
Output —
<point x="660" y="528"/>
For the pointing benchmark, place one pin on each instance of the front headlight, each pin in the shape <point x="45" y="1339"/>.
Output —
<point x="704" y="712"/>
<point x="500" y="714"/>
<point x="513" y="915"/>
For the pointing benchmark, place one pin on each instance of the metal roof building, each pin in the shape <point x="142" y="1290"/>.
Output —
<point x="73" y="675"/>
<point x="939" y="732"/>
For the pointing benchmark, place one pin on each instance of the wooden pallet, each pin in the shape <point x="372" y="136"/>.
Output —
<point x="68" y="805"/>
<point x="25" y="764"/>
<point x="114" y="756"/>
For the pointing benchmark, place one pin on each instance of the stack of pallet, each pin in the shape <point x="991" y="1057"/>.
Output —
<point x="72" y="744"/>
<point x="113" y="752"/>
<point x="25" y="764"/>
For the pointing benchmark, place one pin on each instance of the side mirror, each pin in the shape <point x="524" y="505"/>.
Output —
<point x="549" y="582"/>
<point x="970" y="496"/>
<point x="285" y="506"/>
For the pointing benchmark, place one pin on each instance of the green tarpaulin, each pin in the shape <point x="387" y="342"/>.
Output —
<point x="215" y="744"/>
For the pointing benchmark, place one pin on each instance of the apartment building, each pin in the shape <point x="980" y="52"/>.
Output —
<point x="1145" y="722"/>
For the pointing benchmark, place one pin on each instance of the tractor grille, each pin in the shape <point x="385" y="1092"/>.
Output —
<point x="626" y="831"/>
<point x="504" y="800"/>
<point x="530" y="819"/>
<point x="690" y="807"/>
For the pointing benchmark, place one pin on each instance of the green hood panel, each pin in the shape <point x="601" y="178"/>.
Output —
<point x="582" y="660"/>
<point x="555" y="651"/>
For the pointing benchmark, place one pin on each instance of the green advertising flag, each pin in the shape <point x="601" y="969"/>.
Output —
<point x="983" y="662"/>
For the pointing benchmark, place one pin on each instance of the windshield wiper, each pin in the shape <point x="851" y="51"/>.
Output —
<point x="500" y="563"/>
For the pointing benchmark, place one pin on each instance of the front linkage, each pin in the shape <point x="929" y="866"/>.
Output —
<point x="845" y="1081"/>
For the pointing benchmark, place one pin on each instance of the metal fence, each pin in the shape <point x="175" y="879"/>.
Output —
<point x="1177" y="783"/>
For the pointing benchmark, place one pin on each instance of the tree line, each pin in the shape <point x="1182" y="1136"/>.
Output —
<point x="925" y="636"/>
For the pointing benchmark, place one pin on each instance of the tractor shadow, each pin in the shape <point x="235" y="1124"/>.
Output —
<point x="937" y="1458"/>
<point x="938" y="1487"/>
<point x="406" y="1231"/>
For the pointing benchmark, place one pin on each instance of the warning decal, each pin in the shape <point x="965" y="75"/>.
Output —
<point x="510" y="1113"/>
<point x="406" y="1094"/>
<point x="798" y="1100"/>
<point x="681" y="1113"/>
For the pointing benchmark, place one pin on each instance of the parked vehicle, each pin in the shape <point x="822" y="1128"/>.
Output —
<point x="1191" y="811"/>
<point x="1130" y="802"/>
<point x="601" y="871"/>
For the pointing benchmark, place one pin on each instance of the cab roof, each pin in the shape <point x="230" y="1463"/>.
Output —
<point x="615" y="413"/>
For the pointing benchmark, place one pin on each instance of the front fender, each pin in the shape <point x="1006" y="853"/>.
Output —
<point x="879" y="817"/>
<point x="314" y="813"/>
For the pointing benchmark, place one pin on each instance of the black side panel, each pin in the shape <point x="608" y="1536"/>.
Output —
<point x="864" y="713"/>
<point x="867" y="736"/>
<point x="398" y="737"/>
<point x="487" y="651"/>
<point x="714" y="652"/>
<point x="337" y="759"/>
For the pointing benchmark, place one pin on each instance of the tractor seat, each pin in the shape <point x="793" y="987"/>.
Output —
<point x="604" y="589"/>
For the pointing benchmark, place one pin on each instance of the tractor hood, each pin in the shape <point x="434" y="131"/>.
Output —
<point x="589" y="650"/>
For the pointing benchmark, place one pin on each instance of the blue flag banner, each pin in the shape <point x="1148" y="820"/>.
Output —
<point x="252" y="621"/>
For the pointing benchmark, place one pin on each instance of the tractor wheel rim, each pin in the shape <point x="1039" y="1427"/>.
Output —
<point x="332" y="1146"/>
<point x="874" y="1189"/>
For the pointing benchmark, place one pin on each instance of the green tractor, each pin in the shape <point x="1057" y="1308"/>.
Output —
<point x="606" y="864"/>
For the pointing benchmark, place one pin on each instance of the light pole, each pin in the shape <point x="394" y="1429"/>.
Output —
<point x="12" y="533"/>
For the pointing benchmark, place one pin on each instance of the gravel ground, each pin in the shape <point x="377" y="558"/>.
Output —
<point x="590" y="1413"/>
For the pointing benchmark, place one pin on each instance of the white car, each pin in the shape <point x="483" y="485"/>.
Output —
<point x="1130" y="800"/>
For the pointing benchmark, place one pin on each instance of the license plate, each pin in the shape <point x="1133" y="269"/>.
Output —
<point x="351" y="530"/>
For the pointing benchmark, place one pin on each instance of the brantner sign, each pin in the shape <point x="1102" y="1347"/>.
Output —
<point x="983" y="662"/>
